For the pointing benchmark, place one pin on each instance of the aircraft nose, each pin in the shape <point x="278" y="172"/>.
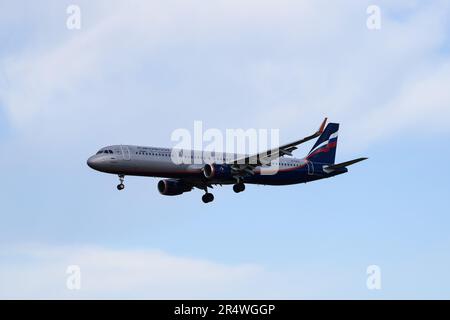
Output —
<point x="93" y="162"/>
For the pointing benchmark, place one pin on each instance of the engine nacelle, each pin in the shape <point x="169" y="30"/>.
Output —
<point x="217" y="171"/>
<point x="173" y="187"/>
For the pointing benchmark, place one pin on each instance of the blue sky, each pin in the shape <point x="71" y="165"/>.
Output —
<point x="134" y="73"/>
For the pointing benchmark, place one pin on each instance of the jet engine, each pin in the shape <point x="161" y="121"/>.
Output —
<point x="173" y="187"/>
<point x="217" y="171"/>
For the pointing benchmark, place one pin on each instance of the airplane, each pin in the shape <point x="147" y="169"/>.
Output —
<point x="227" y="169"/>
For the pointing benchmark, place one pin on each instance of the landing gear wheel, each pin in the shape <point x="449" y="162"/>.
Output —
<point x="238" y="187"/>
<point x="207" y="197"/>
<point x="121" y="186"/>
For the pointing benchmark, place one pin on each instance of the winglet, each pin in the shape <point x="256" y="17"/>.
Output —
<point x="322" y="126"/>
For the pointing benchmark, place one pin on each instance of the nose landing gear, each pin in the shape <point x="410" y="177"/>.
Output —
<point x="121" y="186"/>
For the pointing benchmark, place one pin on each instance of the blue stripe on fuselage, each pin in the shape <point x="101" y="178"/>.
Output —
<point x="292" y="176"/>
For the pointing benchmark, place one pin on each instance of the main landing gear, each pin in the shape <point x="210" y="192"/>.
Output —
<point x="239" y="187"/>
<point x="207" y="197"/>
<point x="121" y="186"/>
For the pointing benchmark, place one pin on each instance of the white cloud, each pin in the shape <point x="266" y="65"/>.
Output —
<point x="39" y="271"/>
<point x="119" y="39"/>
<point x="277" y="64"/>
<point x="422" y="103"/>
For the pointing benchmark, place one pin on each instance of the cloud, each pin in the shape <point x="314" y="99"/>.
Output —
<point x="277" y="64"/>
<point x="422" y="103"/>
<point x="138" y="70"/>
<point x="119" y="40"/>
<point x="39" y="271"/>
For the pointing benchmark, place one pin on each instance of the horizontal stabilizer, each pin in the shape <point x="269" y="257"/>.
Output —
<point x="342" y="165"/>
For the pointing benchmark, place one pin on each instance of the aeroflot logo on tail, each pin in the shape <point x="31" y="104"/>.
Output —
<point x="199" y="146"/>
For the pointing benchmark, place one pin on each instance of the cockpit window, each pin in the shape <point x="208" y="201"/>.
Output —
<point x="105" y="151"/>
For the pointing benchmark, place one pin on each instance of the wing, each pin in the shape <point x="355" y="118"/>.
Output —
<point x="249" y="163"/>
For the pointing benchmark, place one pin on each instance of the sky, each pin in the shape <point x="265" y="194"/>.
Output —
<point x="138" y="70"/>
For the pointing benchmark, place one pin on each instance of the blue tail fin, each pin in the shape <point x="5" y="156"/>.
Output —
<point x="324" y="150"/>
